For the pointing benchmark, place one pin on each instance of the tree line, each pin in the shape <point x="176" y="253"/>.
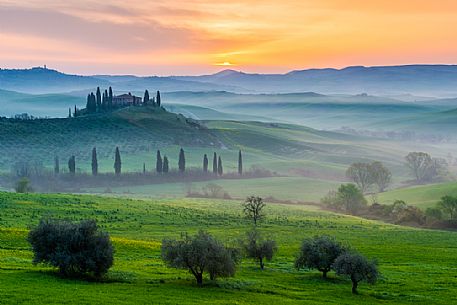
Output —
<point x="162" y="163"/>
<point x="82" y="249"/>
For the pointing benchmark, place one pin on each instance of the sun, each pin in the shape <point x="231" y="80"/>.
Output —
<point x="225" y="63"/>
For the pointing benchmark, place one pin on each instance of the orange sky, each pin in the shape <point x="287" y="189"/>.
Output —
<point x="166" y="37"/>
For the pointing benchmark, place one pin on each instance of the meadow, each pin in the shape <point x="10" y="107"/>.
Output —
<point x="417" y="266"/>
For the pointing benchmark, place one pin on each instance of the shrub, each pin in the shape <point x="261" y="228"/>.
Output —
<point x="258" y="249"/>
<point x="75" y="248"/>
<point x="319" y="253"/>
<point x="356" y="267"/>
<point x="198" y="254"/>
<point x="23" y="186"/>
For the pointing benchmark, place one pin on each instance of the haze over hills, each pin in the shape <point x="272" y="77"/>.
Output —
<point x="425" y="80"/>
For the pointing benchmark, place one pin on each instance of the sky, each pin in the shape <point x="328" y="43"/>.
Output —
<point x="188" y="37"/>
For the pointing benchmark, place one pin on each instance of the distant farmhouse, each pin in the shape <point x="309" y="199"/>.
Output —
<point x="127" y="100"/>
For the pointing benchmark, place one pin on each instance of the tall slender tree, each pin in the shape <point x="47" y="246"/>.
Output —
<point x="182" y="161"/>
<point x="72" y="165"/>
<point x="159" y="163"/>
<point x="99" y="100"/>
<point x="215" y="164"/>
<point x="144" y="168"/>
<point x="220" y="170"/>
<point x="240" y="163"/>
<point x="88" y="103"/>
<point x="69" y="112"/>
<point x="165" y="164"/>
<point x="158" y="99"/>
<point x="110" y="98"/>
<point x="75" y="113"/>
<point x="146" y="97"/>
<point x="94" y="162"/>
<point x="56" y="165"/>
<point x="205" y="163"/>
<point x="117" y="162"/>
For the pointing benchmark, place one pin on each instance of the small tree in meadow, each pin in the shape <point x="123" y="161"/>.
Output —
<point x="117" y="162"/>
<point x="448" y="204"/>
<point x="357" y="268"/>
<point x="165" y="164"/>
<point x="75" y="248"/>
<point x="253" y="209"/>
<point x="257" y="248"/>
<point x="159" y="163"/>
<point x="23" y="186"/>
<point x="94" y="162"/>
<point x="199" y="254"/>
<point x="182" y="161"/>
<point x="319" y="252"/>
<point x="205" y="163"/>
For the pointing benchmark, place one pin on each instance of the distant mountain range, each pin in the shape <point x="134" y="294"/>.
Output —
<point x="424" y="80"/>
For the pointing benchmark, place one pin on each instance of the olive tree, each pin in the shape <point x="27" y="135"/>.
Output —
<point x="199" y="254"/>
<point x="319" y="252"/>
<point x="357" y="268"/>
<point x="259" y="249"/>
<point x="75" y="248"/>
<point x="253" y="209"/>
<point x="350" y="198"/>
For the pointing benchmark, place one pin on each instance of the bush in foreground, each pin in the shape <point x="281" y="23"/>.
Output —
<point x="199" y="254"/>
<point x="75" y="248"/>
<point x="356" y="267"/>
<point x="319" y="253"/>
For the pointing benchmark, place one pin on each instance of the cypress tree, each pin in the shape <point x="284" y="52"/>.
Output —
<point x="220" y="170"/>
<point x="94" y="162"/>
<point x="72" y="165"/>
<point x="88" y="103"/>
<point x="159" y="163"/>
<point x="205" y="163"/>
<point x="117" y="162"/>
<point x="240" y="163"/>
<point x="158" y="100"/>
<point x="153" y="101"/>
<point x="144" y="168"/>
<point x="182" y="161"/>
<point x="146" y="97"/>
<point x="215" y="164"/>
<point x="99" y="100"/>
<point x="75" y="113"/>
<point x="110" y="98"/>
<point x="56" y="165"/>
<point x="165" y="164"/>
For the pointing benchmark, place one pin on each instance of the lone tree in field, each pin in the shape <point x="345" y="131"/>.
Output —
<point x="94" y="162"/>
<point x="72" y="165"/>
<point x="356" y="267"/>
<point x="360" y="173"/>
<point x="319" y="252"/>
<point x="205" y="163"/>
<point x="75" y="248"/>
<point x="253" y="209"/>
<point x="158" y="99"/>
<point x="420" y="164"/>
<point x="220" y="169"/>
<point x="199" y="254"/>
<point x="159" y="163"/>
<point x="117" y="162"/>
<point x="69" y="113"/>
<point x="381" y="175"/>
<point x="146" y="97"/>
<point x="182" y="161"/>
<point x="448" y="204"/>
<point x="215" y="164"/>
<point x="165" y="164"/>
<point x="56" y="165"/>
<point x="257" y="248"/>
<point x="240" y="163"/>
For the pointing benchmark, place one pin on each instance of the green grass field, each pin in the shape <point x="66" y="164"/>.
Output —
<point x="418" y="266"/>
<point x="423" y="196"/>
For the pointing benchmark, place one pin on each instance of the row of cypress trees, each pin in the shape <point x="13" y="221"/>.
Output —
<point x="162" y="164"/>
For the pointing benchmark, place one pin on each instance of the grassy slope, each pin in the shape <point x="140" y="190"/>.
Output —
<point x="417" y="265"/>
<point x="421" y="196"/>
